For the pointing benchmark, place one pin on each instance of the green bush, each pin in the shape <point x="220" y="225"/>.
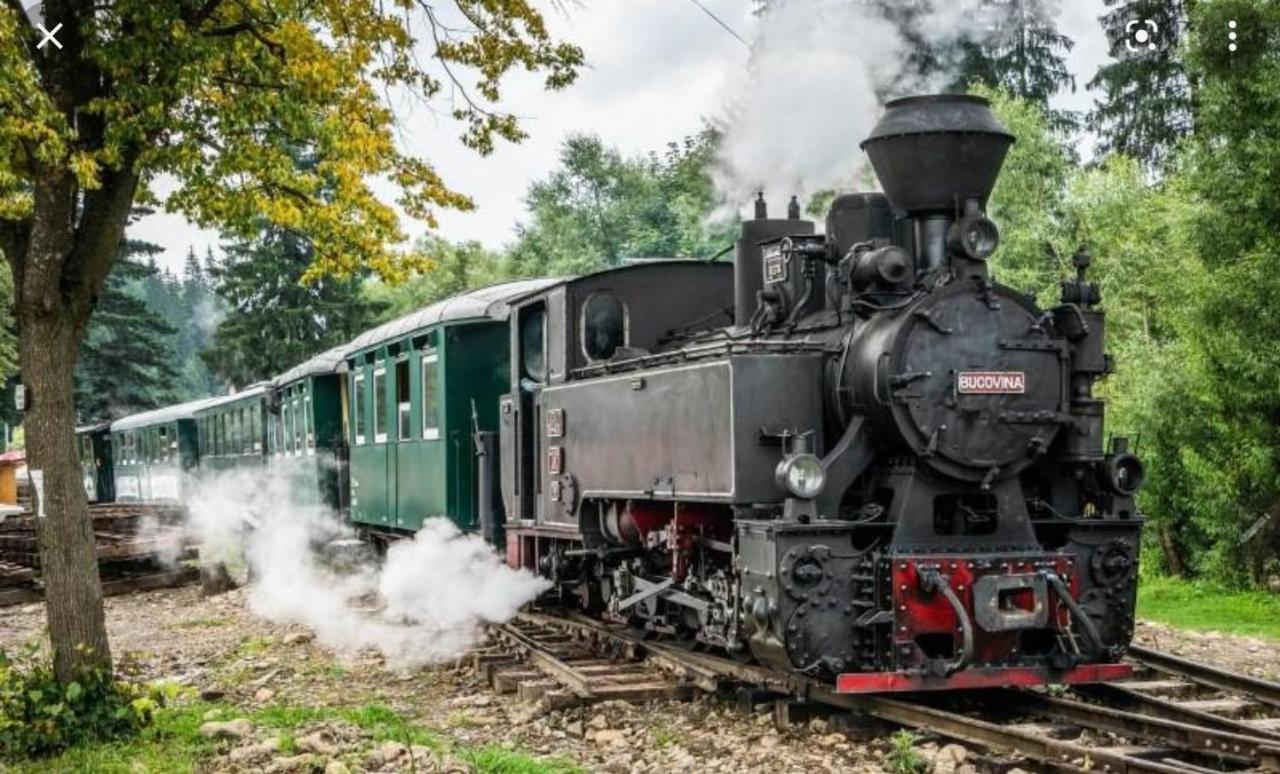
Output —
<point x="40" y="716"/>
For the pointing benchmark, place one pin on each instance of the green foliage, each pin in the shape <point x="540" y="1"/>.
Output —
<point x="40" y="716"/>
<point x="127" y="357"/>
<point x="597" y="210"/>
<point x="601" y="208"/>
<point x="903" y="757"/>
<point x="1023" y="54"/>
<point x="8" y="337"/>
<point x="276" y="320"/>
<point x="492" y="759"/>
<point x="454" y="268"/>
<point x="1209" y="606"/>
<point x="1215" y="417"/>
<point x="1145" y="105"/>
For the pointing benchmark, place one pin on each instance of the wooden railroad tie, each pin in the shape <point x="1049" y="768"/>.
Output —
<point x="558" y="669"/>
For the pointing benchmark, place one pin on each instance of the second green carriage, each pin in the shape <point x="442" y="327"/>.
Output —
<point x="306" y="438"/>
<point x="232" y="431"/>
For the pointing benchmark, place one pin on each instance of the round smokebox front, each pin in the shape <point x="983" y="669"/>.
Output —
<point x="976" y="386"/>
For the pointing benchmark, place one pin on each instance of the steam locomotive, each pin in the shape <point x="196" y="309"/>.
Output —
<point x="855" y="456"/>
<point x="852" y="455"/>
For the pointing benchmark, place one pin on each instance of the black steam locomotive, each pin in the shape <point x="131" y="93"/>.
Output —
<point x="852" y="455"/>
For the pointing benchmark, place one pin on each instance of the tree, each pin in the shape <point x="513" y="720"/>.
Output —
<point x="1020" y="52"/>
<point x="1146" y="99"/>
<point x="1227" y="458"/>
<point x="600" y="208"/>
<point x="276" y="320"/>
<point x="127" y="358"/>
<point x="455" y="267"/>
<point x="216" y="94"/>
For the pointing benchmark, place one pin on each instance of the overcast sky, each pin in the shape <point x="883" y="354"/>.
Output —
<point x="656" y="70"/>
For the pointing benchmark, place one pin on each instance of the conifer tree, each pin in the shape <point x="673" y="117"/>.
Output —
<point x="127" y="359"/>
<point x="275" y="321"/>
<point x="1145" y="104"/>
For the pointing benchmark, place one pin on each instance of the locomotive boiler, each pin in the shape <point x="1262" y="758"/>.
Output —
<point x="854" y="455"/>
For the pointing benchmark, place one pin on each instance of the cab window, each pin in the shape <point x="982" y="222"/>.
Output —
<point x="604" y="326"/>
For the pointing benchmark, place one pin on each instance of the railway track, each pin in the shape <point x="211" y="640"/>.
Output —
<point x="131" y="539"/>
<point x="1174" y="715"/>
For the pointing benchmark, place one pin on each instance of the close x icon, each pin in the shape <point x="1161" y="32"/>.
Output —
<point x="35" y="14"/>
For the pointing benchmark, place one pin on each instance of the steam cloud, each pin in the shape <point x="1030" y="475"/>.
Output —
<point x="813" y="88"/>
<point x="427" y="601"/>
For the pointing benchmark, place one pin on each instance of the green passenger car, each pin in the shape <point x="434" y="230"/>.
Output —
<point x="305" y="430"/>
<point x="415" y="385"/>
<point x="94" y="445"/>
<point x="233" y="431"/>
<point x="155" y="453"/>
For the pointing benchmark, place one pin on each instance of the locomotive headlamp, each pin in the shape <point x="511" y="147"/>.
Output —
<point x="1124" y="473"/>
<point x="802" y="475"/>
<point x="974" y="236"/>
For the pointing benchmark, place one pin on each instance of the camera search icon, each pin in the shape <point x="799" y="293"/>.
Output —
<point x="1140" y="34"/>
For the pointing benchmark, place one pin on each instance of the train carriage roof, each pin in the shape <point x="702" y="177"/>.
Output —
<point x="160" y="416"/>
<point x="491" y="302"/>
<point x="327" y="362"/>
<point x="255" y="389"/>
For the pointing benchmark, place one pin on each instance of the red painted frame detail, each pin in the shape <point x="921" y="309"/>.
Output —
<point x="989" y="677"/>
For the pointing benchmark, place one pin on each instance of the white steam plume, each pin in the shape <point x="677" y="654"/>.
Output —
<point x="813" y="88"/>
<point x="426" y="602"/>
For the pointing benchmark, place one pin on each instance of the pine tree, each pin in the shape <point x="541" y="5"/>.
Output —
<point x="274" y="321"/>
<point x="127" y="360"/>
<point x="1019" y="50"/>
<point x="1146" y="101"/>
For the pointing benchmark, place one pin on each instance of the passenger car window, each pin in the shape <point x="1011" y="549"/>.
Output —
<point x="403" y="404"/>
<point x="430" y="395"/>
<point x="380" y="404"/>
<point x="604" y="326"/>
<point x="357" y="402"/>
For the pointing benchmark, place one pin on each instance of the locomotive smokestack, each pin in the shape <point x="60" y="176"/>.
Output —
<point x="937" y="157"/>
<point x="762" y="207"/>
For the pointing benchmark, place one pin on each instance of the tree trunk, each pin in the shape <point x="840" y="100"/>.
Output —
<point x="1172" y="556"/>
<point x="48" y="347"/>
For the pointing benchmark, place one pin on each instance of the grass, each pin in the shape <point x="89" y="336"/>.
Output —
<point x="1205" y="606"/>
<point x="173" y="745"/>
<point x="492" y="759"/>
<point x="201" y="623"/>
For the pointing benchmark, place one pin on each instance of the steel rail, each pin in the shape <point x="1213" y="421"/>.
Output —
<point x="1238" y="748"/>
<point x="574" y="680"/>
<point x="1263" y="691"/>
<point x="1057" y="755"/>
<point x="705" y="679"/>
<point x="1136" y="701"/>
